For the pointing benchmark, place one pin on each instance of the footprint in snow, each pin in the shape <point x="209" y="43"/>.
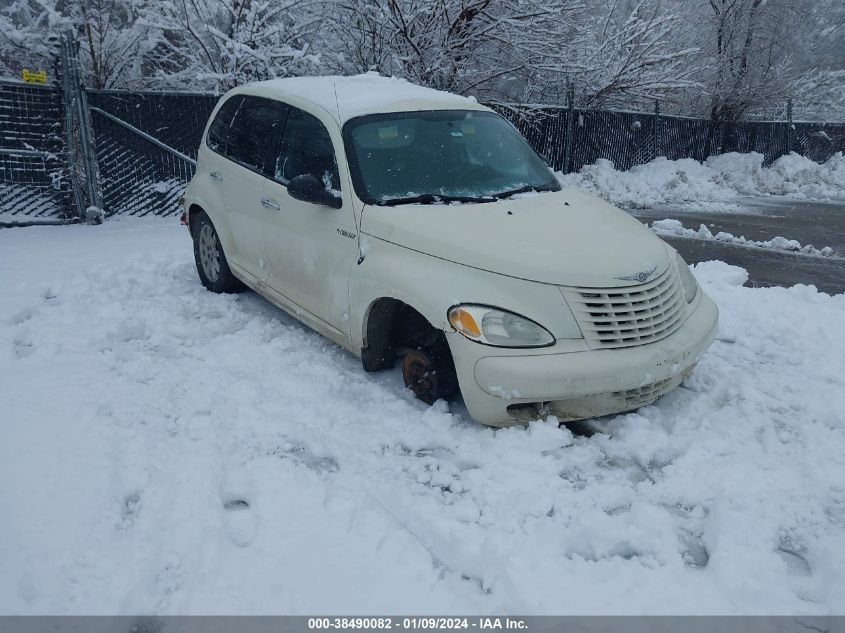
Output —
<point x="26" y="587"/>
<point x="694" y="552"/>
<point x="239" y="515"/>
<point x="129" y="509"/>
<point x="24" y="347"/>
<point x="240" y="521"/>
<point x="24" y="315"/>
<point x="301" y="454"/>
<point x="796" y="563"/>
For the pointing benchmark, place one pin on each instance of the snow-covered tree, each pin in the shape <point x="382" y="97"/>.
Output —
<point x="29" y="31"/>
<point x="819" y="59"/>
<point x="611" y="51"/>
<point x="113" y="43"/>
<point x="222" y="43"/>
<point x="458" y="45"/>
<point x="617" y="53"/>
<point x="749" y="55"/>
<point x="724" y="59"/>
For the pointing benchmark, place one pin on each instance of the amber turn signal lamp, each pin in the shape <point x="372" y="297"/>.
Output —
<point x="464" y="323"/>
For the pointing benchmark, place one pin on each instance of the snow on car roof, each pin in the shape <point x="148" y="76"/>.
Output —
<point x="347" y="97"/>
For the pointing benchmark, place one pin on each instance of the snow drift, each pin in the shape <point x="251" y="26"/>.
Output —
<point x="719" y="179"/>
<point x="672" y="227"/>
<point x="168" y="450"/>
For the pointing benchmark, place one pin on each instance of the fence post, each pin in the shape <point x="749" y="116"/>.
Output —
<point x="88" y="150"/>
<point x="788" y="124"/>
<point x="85" y="137"/>
<point x="655" y="131"/>
<point x="567" y="142"/>
<point x="67" y="96"/>
<point x="76" y="111"/>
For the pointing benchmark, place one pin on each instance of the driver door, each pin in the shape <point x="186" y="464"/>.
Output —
<point x="309" y="248"/>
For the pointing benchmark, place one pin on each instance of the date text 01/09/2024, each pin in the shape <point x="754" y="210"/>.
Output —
<point x="417" y="623"/>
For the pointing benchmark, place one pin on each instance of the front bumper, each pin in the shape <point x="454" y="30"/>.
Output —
<point x="514" y="387"/>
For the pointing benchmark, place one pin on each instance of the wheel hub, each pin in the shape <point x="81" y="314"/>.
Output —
<point x="420" y="381"/>
<point x="420" y="376"/>
<point x="209" y="253"/>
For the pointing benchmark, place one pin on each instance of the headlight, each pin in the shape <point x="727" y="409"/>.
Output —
<point x="492" y="326"/>
<point x="687" y="280"/>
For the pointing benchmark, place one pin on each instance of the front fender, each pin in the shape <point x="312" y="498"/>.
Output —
<point x="432" y="285"/>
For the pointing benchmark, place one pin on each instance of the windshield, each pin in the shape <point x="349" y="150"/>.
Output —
<point x="441" y="156"/>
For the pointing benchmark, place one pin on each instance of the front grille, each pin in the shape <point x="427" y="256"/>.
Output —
<point x="629" y="315"/>
<point x="649" y="393"/>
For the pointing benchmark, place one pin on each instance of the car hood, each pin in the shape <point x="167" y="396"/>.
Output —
<point x="568" y="238"/>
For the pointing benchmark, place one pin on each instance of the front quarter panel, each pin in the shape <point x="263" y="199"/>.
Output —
<point x="431" y="286"/>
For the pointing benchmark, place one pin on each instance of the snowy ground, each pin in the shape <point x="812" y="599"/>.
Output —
<point x="137" y="407"/>
<point x="719" y="183"/>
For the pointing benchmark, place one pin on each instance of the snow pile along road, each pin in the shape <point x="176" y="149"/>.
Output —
<point x="676" y="228"/>
<point x="169" y="450"/>
<point x="715" y="183"/>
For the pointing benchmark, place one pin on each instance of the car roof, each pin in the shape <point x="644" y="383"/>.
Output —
<point x="344" y="98"/>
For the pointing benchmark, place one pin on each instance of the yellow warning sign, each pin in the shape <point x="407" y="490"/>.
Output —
<point x="34" y="77"/>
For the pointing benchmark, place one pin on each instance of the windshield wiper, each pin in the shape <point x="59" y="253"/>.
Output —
<point x="525" y="189"/>
<point x="433" y="198"/>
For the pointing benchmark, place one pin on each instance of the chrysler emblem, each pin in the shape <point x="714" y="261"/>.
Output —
<point x="639" y="277"/>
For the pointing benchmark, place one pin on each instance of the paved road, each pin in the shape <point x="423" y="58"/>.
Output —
<point x="818" y="223"/>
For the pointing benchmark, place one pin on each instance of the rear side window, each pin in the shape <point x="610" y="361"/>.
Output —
<point x="218" y="137"/>
<point x="251" y="132"/>
<point x="306" y="148"/>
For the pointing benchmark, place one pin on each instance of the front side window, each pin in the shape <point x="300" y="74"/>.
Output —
<point x="306" y="148"/>
<point x="441" y="155"/>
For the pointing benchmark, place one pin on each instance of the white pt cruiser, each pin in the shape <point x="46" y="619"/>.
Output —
<point x="409" y="224"/>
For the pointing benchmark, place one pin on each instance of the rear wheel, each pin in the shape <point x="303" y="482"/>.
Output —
<point x="213" y="269"/>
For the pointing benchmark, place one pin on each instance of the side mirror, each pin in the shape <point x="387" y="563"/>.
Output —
<point x="308" y="189"/>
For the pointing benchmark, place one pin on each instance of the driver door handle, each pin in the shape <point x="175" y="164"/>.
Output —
<point x="267" y="203"/>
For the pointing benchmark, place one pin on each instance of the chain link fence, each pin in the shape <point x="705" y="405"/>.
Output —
<point x="146" y="147"/>
<point x="143" y="145"/>
<point x="569" y="138"/>
<point x="33" y="163"/>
